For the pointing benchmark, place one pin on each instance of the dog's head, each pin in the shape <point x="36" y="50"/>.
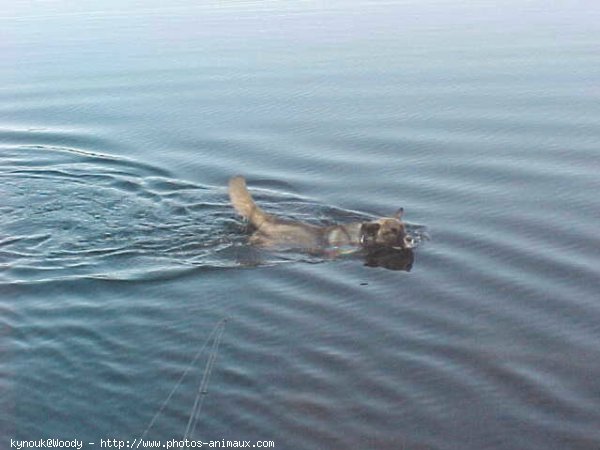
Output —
<point x="386" y="232"/>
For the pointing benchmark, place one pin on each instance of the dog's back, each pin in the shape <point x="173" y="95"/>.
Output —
<point x="271" y="231"/>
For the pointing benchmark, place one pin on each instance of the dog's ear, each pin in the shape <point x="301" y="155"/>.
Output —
<point x="399" y="213"/>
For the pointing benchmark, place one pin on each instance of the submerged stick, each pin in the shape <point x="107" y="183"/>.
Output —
<point x="218" y="328"/>
<point x="203" y="389"/>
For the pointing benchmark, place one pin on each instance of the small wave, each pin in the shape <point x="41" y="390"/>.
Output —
<point x="69" y="213"/>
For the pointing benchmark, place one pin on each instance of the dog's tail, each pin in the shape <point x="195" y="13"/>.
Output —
<point x="244" y="204"/>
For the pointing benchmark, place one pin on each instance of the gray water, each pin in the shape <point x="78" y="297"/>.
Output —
<point x="120" y="257"/>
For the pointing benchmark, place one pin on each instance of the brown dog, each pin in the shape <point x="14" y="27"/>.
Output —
<point x="275" y="232"/>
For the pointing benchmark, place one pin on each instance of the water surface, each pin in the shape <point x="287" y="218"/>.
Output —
<point x="120" y="125"/>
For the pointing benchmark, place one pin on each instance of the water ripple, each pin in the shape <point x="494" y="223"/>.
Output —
<point x="72" y="213"/>
<point x="69" y="213"/>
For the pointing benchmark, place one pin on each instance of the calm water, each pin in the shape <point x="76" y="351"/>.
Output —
<point x="119" y="254"/>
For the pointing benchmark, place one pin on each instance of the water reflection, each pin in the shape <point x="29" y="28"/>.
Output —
<point x="390" y="258"/>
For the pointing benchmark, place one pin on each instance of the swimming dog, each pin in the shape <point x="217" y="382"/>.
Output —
<point x="273" y="232"/>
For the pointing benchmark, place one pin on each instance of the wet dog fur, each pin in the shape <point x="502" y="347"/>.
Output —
<point x="274" y="232"/>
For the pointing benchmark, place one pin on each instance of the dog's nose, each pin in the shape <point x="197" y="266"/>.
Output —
<point x="409" y="241"/>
